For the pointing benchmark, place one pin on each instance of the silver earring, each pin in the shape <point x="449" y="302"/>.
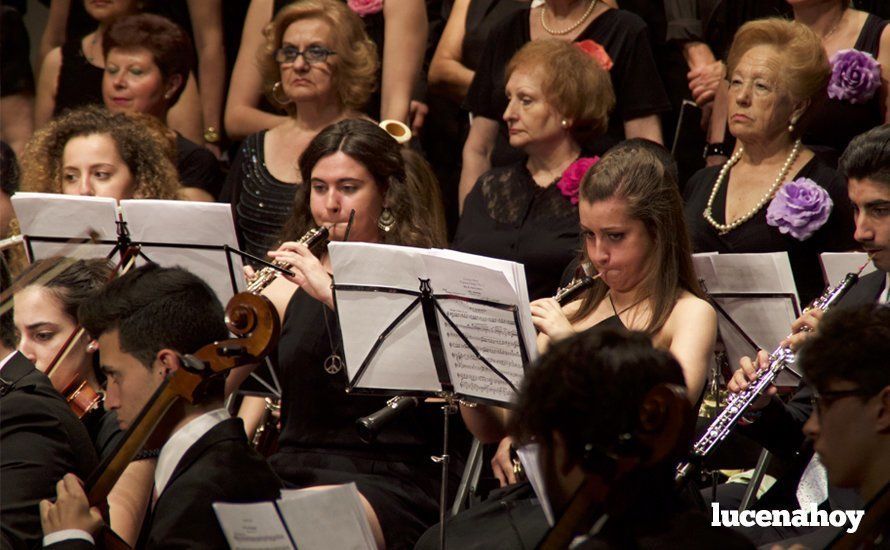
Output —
<point x="386" y="221"/>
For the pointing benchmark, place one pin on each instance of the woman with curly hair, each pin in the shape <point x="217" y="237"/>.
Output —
<point x="93" y="152"/>
<point x="319" y="65"/>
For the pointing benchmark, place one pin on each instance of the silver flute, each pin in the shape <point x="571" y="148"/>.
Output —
<point x="739" y="403"/>
<point x="266" y="275"/>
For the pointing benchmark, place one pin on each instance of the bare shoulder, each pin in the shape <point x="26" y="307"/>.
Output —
<point x="691" y="308"/>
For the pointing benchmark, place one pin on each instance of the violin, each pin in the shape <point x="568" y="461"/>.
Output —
<point x="254" y="322"/>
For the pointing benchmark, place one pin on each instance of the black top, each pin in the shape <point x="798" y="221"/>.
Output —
<point x="319" y="443"/>
<point x="80" y="82"/>
<point x="830" y="124"/>
<point x="508" y="216"/>
<point x="104" y="430"/>
<point x="755" y="236"/>
<point x="198" y="167"/>
<point x="639" y="92"/>
<point x="16" y="76"/>
<point x="261" y="203"/>
<point x="482" y="17"/>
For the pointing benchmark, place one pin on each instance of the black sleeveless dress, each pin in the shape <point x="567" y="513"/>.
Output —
<point x="319" y="444"/>
<point x="80" y="82"/>
<point x="830" y="124"/>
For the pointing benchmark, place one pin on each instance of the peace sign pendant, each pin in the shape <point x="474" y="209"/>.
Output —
<point x="333" y="364"/>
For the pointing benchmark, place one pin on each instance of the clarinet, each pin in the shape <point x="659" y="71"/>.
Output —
<point x="738" y="404"/>
<point x="369" y="426"/>
<point x="265" y="438"/>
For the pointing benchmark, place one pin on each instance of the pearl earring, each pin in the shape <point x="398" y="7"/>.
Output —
<point x="565" y="123"/>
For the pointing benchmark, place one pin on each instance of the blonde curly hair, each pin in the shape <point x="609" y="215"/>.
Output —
<point x="154" y="174"/>
<point x="356" y="61"/>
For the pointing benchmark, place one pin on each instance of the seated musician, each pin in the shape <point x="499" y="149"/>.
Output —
<point x="845" y="363"/>
<point x="603" y="375"/>
<point x="350" y="165"/>
<point x="778" y="426"/>
<point x="143" y="322"/>
<point x="41" y="439"/>
<point x="635" y="237"/>
<point x="46" y="317"/>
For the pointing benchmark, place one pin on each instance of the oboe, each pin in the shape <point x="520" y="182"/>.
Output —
<point x="266" y="275"/>
<point x="265" y="438"/>
<point x="738" y="404"/>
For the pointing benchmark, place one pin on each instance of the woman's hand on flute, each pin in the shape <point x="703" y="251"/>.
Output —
<point x="549" y="319"/>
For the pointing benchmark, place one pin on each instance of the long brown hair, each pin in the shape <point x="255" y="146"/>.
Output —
<point x="371" y="146"/>
<point x="636" y="175"/>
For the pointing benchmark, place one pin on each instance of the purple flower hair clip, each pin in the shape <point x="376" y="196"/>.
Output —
<point x="855" y="76"/>
<point x="365" y="7"/>
<point x="570" y="182"/>
<point x="799" y="208"/>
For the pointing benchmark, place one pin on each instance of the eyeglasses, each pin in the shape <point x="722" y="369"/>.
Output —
<point x="822" y="400"/>
<point x="312" y="54"/>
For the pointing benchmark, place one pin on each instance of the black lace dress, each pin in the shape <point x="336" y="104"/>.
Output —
<point x="509" y="216"/>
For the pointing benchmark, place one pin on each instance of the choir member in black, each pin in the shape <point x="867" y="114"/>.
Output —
<point x="773" y="194"/>
<point x="558" y="98"/>
<point x="41" y="439"/>
<point x="144" y="322"/>
<point x="45" y="318"/>
<point x="620" y="43"/>
<point x="319" y="65"/>
<point x="351" y="165"/>
<point x="146" y="69"/>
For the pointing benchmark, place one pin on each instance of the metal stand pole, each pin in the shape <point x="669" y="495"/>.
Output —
<point x="448" y="409"/>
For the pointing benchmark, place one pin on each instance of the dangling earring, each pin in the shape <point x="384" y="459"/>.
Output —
<point x="276" y="91"/>
<point x="386" y="221"/>
<point x="791" y="124"/>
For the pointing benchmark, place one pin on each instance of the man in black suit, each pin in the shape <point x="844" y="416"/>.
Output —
<point x="144" y="321"/>
<point x="778" y="426"/>
<point x="41" y="440"/>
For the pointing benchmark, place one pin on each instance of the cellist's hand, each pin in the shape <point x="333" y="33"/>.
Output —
<point x="71" y="510"/>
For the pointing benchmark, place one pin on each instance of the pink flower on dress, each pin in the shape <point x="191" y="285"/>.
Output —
<point x="570" y="182"/>
<point x="597" y="52"/>
<point x="365" y="7"/>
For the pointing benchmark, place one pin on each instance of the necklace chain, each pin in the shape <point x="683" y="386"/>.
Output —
<point x="724" y="171"/>
<point x="574" y="26"/>
<point x="835" y="27"/>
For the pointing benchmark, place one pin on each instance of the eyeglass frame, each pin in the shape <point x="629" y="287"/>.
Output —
<point x="279" y="53"/>
<point x="822" y="400"/>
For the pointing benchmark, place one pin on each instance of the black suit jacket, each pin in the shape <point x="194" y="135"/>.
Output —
<point x="40" y="441"/>
<point x="219" y="467"/>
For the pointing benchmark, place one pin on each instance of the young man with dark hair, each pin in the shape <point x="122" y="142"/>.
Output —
<point x="41" y="439"/>
<point x="581" y="403"/>
<point x="144" y="322"/>
<point x="847" y="363"/>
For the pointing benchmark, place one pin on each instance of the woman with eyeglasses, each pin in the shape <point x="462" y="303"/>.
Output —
<point x="318" y="64"/>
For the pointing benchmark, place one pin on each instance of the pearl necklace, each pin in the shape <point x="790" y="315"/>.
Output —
<point x="574" y="26"/>
<point x="726" y="228"/>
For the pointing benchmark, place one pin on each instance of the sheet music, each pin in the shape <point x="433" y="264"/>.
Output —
<point x="254" y="526"/>
<point x="404" y="361"/>
<point x="528" y="455"/>
<point x="836" y="265"/>
<point x="191" y="224"/>
<point x="332" y="517"/>
<point x="66" y="217"/>
<point x="492" y="331"/>
<point x="764" y="319"/>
